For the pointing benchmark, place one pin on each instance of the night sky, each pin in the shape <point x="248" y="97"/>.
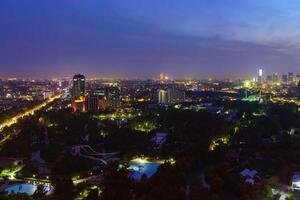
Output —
<point x="138" y="38"/>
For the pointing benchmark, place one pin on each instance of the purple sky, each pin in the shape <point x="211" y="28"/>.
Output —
<point x="138" y="38"/>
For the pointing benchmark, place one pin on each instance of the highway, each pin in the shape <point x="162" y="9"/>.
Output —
<point x="285" y="100"/>
<point x="14" y="120"/>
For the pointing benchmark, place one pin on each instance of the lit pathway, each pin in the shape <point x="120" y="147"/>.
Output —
<point x="4" y="139"/>
<point x="31" y="111"/>
<point x="90" y="178"/>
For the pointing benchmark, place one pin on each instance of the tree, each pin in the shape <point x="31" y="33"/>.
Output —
<point x="63" y="188"/>
<point x="15" y="196"/>
<point x="40" y="192"/>
<point x="93" y="195"/>
<point x="117" y="184"/>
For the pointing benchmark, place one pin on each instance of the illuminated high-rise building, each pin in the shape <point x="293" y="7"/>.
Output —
<point x="260" y="76"/>
<point x="275" y="78"/>
<point x="113" y="97"/>
<point x="297" y="79"/>
<point x="170" y="96"/>
<point x="290" y="78"/>
<point x="92" y="103"/>
<point x="260" y="72"/>
<point x="101" y="92"/>
<point x="163" y="97"/>
<point x="269" y="79"/>
<point x="175" y="95"/>
<point x="284" y="78"/>
<point x="78" y="88"/>
<point x="163" y="78"/>
<point x="79" y="104"/>
<point x="102" y="96"/>
<point x="103" y="104"/>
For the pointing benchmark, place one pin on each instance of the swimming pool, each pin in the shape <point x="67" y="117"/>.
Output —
<point x="140" y="168"/>
<point x="24" y="188"/>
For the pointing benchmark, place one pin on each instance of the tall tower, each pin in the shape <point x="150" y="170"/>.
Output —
<point x="260" y="76"/>
<point x="78" y="88"/>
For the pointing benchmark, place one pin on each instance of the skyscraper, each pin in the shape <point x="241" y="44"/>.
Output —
<point x="113" y="97"/>
<point x="260" y="72"/>
<point x="162" y="77"/>
<point x="269" y="79"/>
<point x="290" y="78"/>
<point x="275" y="78"/>
<point x="163" y="96"/>
<point x="102" y="95"/>
<point x="92" y="103"/>
<point x="297" y="79"/>
<point x="79" y="104"/>
<point x="260" y="76"/>
<point x="284" y="78"/>
<point x="78" y="88"/>
<point x="170" y="96"/>
<point x="175" y="95"/>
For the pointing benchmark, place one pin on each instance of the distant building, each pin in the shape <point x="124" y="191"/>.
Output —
<point x="295" y="91"/>
<point x="269" y="79"/>
<point x="163" y="97"/>
<point x="162" y="77"/>
<point x="101" y="92"/>
<point x="98" y="100"/>
<point x="284" y="79"/>
<point x="92" y="103"/>
<point x="170" y="96"/>
<point x="260" y="76"/>
<point x="297" y="79"/>
<point x="176" y="95"/>
<point x="290" y="78"/>
<point x="47" y="94"/>
<point x="63" y="83"/>
<point x="78" y="104"/>
<point x="78" y="88"/>
<point x="103" y="104"/>
<point x="102" y="98"/>
<point x="89" y="103"/>
<point x="113" y="97"/>
<point x="275" y="78"/>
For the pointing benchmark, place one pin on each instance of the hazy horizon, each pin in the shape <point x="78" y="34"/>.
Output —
<point x="122" y="38"/>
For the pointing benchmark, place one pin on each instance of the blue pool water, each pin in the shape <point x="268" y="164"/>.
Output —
<point x="138" y="169"/>
<point x="23" y="188"/>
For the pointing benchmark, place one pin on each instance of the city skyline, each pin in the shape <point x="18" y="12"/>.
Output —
<point x="197" y="39"/>
<point x="142" y="100"/>
<point x="259" y="73"/>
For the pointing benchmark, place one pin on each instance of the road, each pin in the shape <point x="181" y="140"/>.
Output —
<point x="31" y="111"/>
<point x="285" y="100"/>
<point x="90" y="178"/>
